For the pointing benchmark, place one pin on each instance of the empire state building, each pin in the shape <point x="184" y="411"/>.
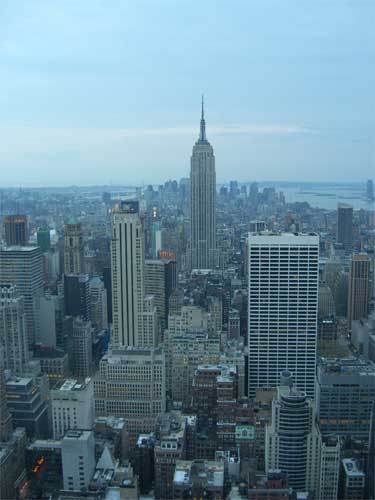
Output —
<point x="203" y="202"/>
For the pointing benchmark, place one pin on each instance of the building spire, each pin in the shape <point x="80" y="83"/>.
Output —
<point x="202" y="135"/>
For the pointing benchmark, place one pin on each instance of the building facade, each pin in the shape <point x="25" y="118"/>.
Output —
<point x="27" y="405"/>
<point x="345" y="390"/>
<point x="131" y="384"/>
<point x="292" y="438"/>
<point x="72" y="407"/>
<point x="282" y="308"/>
<point x="23" y="267"/>
<point x="77" y="295"/>
<point x="160" y="281"/>
<point x="345" y="226"/>
<point x="203" y="202"/>
<point x="359" y="287"/>
<point x="82" y="348"/>
<point x="78" y="459"/>
<point x="98" y="305"/>
<point x="13" y="335"/>
<point x="16" y="232"/>
<point x="127" y="255"/>
<point x="73" y="249"/>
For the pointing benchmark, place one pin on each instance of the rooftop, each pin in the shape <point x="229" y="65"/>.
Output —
<point x="206" y="472"/>
<point x="117" y="353"/>
<point x="18" y="381"/>
<point x="345" y="366"/>
<point x="76" y="434"/>
<point x="264" y="237"/>
<point x="72" y="384"/>
<point x="351" y="467"/>
<point x="111" y="421"/>
<point x="15" y="248"/>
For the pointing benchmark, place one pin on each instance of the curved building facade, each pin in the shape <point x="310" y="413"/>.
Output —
<point x="292" y="438"/>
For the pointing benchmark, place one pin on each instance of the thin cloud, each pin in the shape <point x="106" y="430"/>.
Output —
<point x="33" y="139"/>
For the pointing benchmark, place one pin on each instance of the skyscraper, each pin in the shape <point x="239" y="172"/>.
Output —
<point x="82" y="348"/>
<point x="13" y="334"/>
<point x="73" y="248"/>
<point x="345" y="226"/>
<point x="43" y="239"/>
<point x="127" y="253"/>
<point x="160" y="281"/>
<point x="23" y="267"/>
<point x="98" y="304"/>
<point x="5" y="417"/>
<point x="283" y="307"/>
<point x="359" y="287"/>
<point x="292" y="438"/>
<point x="77" y="295"/>
<point x="16" y="230"/>
<point x="203" y="202"/>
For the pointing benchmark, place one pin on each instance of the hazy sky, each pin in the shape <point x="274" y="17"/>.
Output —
<point x="108" y="91"/>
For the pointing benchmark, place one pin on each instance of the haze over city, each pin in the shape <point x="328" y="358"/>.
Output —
<point x="109" y="92"/>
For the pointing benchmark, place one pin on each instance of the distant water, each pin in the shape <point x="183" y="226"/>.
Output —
<point x="324" y="195"/>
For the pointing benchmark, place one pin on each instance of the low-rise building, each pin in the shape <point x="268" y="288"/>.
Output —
<point x="352" y="482"/>
<point x="198" y="479"/>
<point x="78" y="459"/>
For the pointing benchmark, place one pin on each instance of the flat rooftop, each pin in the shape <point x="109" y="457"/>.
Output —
<point x="345" y="366"/>
<point x="18" y="381"/>
<point x="351" y="468"/>
<point x="72" y="384"/>
<point x="77" y="434"/>
<point x="15" y="248"/>
<point x="208" y="472"/>
<point x="276" y="238"/>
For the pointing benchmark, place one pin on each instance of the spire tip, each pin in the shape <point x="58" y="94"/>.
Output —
<point x="202" y="135"/>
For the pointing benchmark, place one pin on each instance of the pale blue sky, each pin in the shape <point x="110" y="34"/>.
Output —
<point x="108" y="91"/>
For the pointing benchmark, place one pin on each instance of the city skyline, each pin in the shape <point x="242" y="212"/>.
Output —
<point x="187" y="311"/>
<point x="288" y="101"/>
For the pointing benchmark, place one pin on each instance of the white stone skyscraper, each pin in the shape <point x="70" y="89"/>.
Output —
<point x="131" y="379"/>
<point x="283" y="308"/>
<point x="203" y="202"/>
<point x="13" y="335"/>
<point x="127" y="254"/>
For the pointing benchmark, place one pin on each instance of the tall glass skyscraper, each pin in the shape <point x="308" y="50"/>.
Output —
<point x="203" y="202"/>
